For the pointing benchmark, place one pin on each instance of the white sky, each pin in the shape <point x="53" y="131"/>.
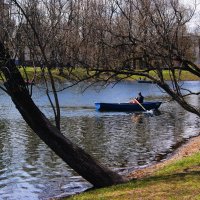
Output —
<point x="196" y="19"/>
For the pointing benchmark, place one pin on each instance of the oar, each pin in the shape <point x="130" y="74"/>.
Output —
<point x="147" y="111"/>
<point x="140" y="105"/>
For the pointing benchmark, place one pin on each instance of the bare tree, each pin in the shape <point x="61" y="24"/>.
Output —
<point x="151" y="33"/>
<point x="15" y="86"/>
<point x="74" y="156"/>
<point x="106" y="38"/>
<point x="163" y="39"/>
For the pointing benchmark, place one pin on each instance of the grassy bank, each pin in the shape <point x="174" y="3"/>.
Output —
<point x="30" y="72"/>
<point x="81" y="73"/>
<point x="184" y="76"/>
<point x="177" y="180"/>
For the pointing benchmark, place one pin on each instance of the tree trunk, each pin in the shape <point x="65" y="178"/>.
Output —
<point x="74" y="156"/>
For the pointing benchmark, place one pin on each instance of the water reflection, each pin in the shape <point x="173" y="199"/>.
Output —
<point x="119" y="139"/>
<point x="137" y="118"/>
<point x="30" y="170"/>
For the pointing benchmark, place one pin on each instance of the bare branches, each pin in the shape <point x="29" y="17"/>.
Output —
<point x="133" y="37"/>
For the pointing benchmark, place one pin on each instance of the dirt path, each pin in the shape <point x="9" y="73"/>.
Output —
<point x="192" y="146"/>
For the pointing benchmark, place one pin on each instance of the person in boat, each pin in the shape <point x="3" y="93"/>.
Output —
<point x="139" y="98"/>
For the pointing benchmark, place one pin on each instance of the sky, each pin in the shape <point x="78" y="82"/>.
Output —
<point x="196" y="19"/>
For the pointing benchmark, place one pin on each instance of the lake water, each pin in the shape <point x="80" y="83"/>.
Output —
<point x="30" y="170"/>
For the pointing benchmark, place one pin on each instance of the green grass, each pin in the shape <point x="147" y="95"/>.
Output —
<point x="185" y="164"/>
<point x="185" y="75"/>
<point x="178" y="180"/>
<point x="81" y="73"/>
<point x="30" y="71"/>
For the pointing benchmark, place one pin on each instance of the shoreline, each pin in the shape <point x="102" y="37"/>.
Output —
<point x="191" y="146"/>
<point x="177" y="178"/>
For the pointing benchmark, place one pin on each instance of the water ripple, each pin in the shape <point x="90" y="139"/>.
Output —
<point x="30" y="170"/>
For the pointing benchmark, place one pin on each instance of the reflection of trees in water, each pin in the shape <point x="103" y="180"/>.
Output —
<point x="17" y="140"/>
<point x="143" y="143"/>
<point x="110" y="138"/>
<point x="117" y="140"/>
<point x="22" y="153"/>
<point x="137" y="118"/>
<point x="127" y="139"/>
<point x="13" y="154"/>
<point x="104" y="137"/>
<point x="4" y="142"/>
<point x="176" y="123"/>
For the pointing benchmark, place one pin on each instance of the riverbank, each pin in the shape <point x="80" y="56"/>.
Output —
<point x="189" y="148"/>
<point x="66" y="75"/>
<point x="174" y="178"/>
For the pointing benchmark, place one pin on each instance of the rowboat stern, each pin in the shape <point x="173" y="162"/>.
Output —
<point x="157" y="105"/>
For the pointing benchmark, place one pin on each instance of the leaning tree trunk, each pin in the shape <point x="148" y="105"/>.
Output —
<point x="74" y="156"/>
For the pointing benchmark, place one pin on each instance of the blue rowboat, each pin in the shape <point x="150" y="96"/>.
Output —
<point x="127" y="107"/>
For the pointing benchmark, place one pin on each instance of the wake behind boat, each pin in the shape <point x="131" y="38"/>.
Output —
<point x="127" y="107"/>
